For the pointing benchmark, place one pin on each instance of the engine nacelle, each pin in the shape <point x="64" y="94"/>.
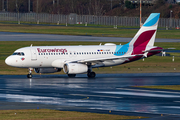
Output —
<point x="75" y="68"/>
<point x="47" y="70"/>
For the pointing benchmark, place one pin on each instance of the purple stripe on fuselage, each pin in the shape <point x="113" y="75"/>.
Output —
<point x="142" y="41"/>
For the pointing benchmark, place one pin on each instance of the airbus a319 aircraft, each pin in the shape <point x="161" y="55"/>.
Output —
<point x="81" y="59"/>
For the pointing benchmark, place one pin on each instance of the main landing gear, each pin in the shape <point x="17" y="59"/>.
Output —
<point x="91" y="74"/>
<point x="30" y="73"/>
<point x="71" y="75"/>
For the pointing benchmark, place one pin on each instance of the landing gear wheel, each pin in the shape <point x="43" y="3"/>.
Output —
<point x="91" y="75"/>
<point x="29" y="75"/>
<point x="71" y="75"/>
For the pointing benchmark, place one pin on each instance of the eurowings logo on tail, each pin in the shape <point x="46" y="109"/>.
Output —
<point x="145" y="37"/>
<point x="143" y="40"/>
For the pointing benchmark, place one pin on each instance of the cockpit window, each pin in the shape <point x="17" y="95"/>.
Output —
<point x="18" y="53"/>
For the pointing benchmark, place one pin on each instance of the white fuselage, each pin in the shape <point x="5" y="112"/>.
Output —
<point x="57" y="56"/>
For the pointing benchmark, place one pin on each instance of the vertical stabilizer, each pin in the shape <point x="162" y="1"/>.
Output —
<point x="146" y="35"/>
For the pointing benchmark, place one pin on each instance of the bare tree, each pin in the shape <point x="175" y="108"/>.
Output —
<point x="97" y="8"/>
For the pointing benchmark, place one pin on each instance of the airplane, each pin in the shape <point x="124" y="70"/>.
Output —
<point x="81" y="59"/>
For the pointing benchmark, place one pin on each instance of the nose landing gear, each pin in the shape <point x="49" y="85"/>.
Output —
<point x="30" y="73"/>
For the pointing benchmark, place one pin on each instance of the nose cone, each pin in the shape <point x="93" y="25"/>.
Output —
<point x="9" y="61"/>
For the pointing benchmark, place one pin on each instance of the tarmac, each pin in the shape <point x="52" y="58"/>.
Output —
<point x="107" y="93"/>
<point x="13" y="36"/>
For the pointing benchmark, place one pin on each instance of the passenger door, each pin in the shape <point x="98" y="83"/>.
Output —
<point x="33" y="54"/>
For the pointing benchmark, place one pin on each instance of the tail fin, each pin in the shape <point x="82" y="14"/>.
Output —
<point x="146" y="35"/>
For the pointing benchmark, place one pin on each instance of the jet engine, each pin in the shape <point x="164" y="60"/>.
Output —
<point x="47" y="70"/>
<point x="75" y="68"/>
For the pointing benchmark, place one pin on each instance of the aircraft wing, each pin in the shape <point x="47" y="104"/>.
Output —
<point x="95" y="60"/>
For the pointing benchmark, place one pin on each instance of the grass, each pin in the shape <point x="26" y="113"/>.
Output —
<point x="168" y="87"/>
<point x="152" y="64"/>
<point x="45" y="114"/>
<point x="75" y="30"/>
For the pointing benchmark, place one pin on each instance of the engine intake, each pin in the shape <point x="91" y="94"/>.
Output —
<point x="75" y="68"/>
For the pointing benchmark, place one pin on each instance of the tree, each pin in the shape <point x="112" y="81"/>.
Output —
<point x="129" y="5"/>
<point x="160" y="2"/>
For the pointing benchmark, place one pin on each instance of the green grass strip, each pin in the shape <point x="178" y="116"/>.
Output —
<point x="76" y="30"/>
<point x="45" y="114"/>
<point x="168" y="87"/>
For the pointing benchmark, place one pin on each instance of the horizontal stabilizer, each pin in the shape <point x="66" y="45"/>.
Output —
<point x="156" y="50"/>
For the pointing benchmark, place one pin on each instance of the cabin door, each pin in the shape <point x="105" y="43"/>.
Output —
<point x="33" y="54"/>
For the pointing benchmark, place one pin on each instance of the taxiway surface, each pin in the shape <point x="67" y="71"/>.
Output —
<point x="12" y="36"/>
<point x="107" y="92"/>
